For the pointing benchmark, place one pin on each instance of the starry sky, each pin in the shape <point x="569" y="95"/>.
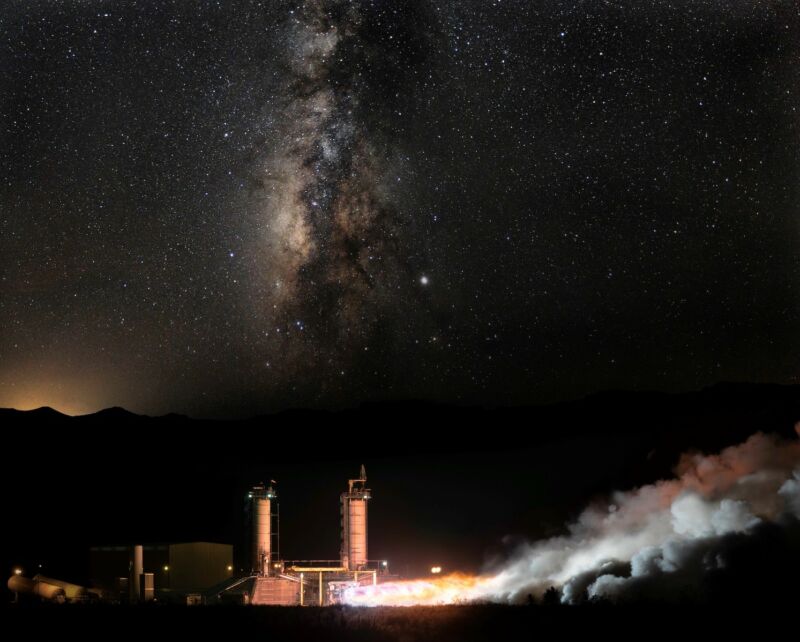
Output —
<point x="229" y="207"/>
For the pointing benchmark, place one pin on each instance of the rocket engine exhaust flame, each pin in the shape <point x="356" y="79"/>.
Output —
<point x="669" y="533"/>
<point x="449" y="589"/>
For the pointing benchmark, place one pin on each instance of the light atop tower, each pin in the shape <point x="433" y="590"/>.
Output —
<point x="262" y="491"/>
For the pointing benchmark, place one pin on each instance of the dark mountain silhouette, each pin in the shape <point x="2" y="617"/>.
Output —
<point x="661" y="422"/>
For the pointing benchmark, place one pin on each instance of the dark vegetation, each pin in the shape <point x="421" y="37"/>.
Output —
<point x="441" y="624"/>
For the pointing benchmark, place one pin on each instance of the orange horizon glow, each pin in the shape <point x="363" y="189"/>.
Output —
<point x="65" y="409"/>
<point x="32" y="387"/>
<point x="57" y="400"/>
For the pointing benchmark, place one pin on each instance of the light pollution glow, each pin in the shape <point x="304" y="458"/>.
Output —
<point x="70" y="389"/>
<point x="69" y="399"/>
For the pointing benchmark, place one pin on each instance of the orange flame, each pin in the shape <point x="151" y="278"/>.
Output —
<point x="450" y="589"/>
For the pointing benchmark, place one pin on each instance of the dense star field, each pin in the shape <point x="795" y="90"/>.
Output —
<point x="232" y="207"/>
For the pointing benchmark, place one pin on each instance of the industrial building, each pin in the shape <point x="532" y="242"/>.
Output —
<point x="203" y="572"/>
<point x="319" y="582"/>
<point x="134" y="573"/>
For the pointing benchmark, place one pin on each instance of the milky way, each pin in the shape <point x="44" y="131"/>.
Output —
<point x="336" y="258"/>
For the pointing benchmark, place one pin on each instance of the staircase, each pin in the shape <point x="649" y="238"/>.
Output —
<point x="276" y="591"/>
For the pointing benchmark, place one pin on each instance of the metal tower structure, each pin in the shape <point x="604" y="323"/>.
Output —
<point x="353" y="509"/>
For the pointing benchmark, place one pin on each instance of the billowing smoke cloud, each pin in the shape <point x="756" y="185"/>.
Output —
<point x="674" y="539"/>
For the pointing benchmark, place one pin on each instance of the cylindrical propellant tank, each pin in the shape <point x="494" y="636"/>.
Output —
<point x="358" y="532"/>
<point x="137" y="568"/>
<point x="71" y="591"/>
<point x="353" y="507"/>
<point x="29" y="586"/>
<point x="261" y="498"/>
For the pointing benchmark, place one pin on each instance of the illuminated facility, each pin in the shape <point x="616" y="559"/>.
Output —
<point x="203" y="572"/>
<point x="320" y="582"/>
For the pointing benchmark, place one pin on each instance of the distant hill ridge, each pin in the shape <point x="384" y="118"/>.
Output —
<point x="706" y="419"/>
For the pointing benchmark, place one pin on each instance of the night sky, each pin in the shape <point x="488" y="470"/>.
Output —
<point x="223" y="208"/>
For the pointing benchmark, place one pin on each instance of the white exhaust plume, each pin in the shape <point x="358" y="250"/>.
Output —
<point x="670" y="533"/>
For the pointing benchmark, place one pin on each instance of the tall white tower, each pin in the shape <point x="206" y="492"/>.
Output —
<point x="261" y="504"/>
<point x="353" y="508"/>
